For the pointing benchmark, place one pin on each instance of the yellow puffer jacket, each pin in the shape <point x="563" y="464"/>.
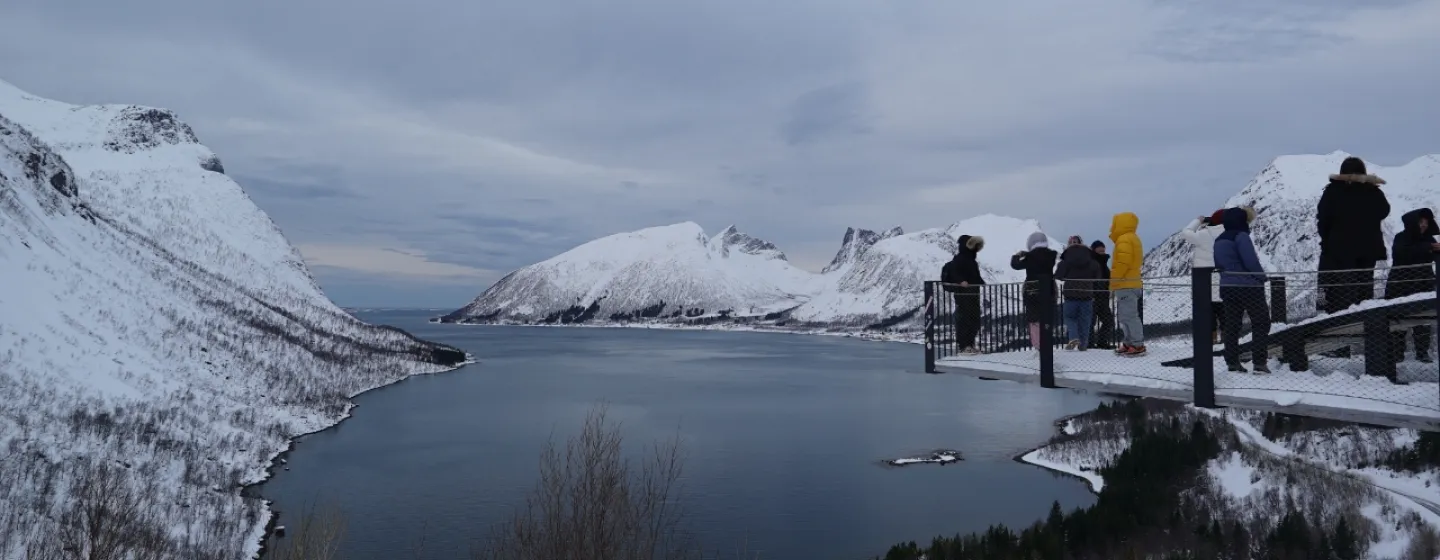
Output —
<point x="1129" y="254"/>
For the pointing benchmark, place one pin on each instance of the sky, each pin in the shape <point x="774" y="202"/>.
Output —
<point x="417" y="151"/>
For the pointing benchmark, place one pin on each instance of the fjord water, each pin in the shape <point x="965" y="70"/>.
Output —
<point x="784" y="435"/>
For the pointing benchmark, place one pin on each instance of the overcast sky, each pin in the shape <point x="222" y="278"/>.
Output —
<point x="415" y="151"/>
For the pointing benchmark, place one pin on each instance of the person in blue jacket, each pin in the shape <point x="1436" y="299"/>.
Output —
<point x="1242" y="288"/>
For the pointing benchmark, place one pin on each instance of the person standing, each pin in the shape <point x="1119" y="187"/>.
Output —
<point x="1412" y="272"/>
<point x="1242" y="285"/>
<point x="961" y="277"/>
<point x="1038" y="262"/>
<point x="1081" y="274"/>
<point x="1201" y="233"/>
<point x="1125" y="282"/>
<point x="1102" y="332"/>
<point x="1348" y="218"/>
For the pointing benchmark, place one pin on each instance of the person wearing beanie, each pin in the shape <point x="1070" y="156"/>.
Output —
<point x="1102" y="332"/>
<point x="1038" y="262"/>
<point x="1201" y="234"/>
<point x="1125" y="282"/>
<point x="961" y="278"/>
<point x="1081" y="274"/>
<point x="1349" y="220"/>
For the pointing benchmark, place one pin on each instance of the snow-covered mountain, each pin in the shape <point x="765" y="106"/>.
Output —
<point x="1284" y="196"/>
<point x="160" y="341"/>
<point x="675" y="274"/>
<point x="672" y="271"/>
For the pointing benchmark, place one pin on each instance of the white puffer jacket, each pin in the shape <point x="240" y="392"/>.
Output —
<point x="1203" y="238"/>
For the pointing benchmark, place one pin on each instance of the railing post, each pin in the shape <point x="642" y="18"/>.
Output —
<point x="1047" y="321"/>
<point x="1435" y="332"/>
<point x="1279" y="302"/>
<point x="1203" y="360"/>
<point x="930" y="312"/>
<point x="1379" y="361"/>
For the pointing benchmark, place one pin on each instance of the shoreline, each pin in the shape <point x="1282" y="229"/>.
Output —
<point x="917" y="339"/>
<point x="1052" y="468"/>
<point x="269" y="515"/>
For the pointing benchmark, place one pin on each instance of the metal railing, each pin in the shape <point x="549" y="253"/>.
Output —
<point x="1320" y="330"/>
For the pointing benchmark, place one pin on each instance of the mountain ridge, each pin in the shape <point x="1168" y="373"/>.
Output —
<point x="155" y="321"/>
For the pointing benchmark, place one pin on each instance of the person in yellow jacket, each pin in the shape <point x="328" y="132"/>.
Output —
<point x="1125" y="281"/>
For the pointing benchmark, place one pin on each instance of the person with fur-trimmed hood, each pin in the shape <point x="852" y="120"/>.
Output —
<point x="961" y="277"/>
<point x="1349" y="217"/>
<point x="1412" y="272"/>
<point x="1201" y="233"/>
<point x="1038" y="262"/>
<point x="1242" y="285"/>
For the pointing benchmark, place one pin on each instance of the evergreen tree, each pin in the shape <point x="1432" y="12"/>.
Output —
<point x="1345" y="543"/>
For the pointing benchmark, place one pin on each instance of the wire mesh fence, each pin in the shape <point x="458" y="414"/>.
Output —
<point x="1355" y="335"/>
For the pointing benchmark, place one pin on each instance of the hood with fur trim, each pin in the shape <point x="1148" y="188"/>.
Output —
<point x="1363" y="179"/>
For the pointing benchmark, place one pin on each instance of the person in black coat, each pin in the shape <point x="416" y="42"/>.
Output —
<point x="961" y="277"/>
<point x="1102" y="334"/>
<point x="1413" y="272"/>
<point x="1038" y="262"/>
<point x="1082" y="275"/>
<point x="1349" y="217"/>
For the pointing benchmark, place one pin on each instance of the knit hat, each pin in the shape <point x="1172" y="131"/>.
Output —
<point x="1098" y="244"/>
<point x="1352" y="166"/>
<point x="1036" y="241"/>
<point x="1075" y="240"/>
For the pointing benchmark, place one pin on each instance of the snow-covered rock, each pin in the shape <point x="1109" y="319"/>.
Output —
<point x="160" y="341"/>
<point x="1284" y="196"/>
<point x="675" y="274"/>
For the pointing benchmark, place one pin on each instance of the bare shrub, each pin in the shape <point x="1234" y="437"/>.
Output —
<point x="591" y="502"/>
<point x="107" y="519"/>
<point x="317" y="536"/>
<point x="1424" y="544"/>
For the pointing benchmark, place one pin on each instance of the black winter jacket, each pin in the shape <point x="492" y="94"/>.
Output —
<point x="1412" y="247"/>
<point x="962" y="268"/>
<point x="1081" y="272"/>
<point x="1038" y="264"/>
<point x="1349" y="217"/>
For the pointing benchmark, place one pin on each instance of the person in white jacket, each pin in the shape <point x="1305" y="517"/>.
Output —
<point x="1201" y="234"/>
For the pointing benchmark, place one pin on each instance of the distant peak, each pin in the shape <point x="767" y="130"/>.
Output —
<point x="892" y="232"/>
<point x="855" y="242"/>
<point x="731" y="238"/>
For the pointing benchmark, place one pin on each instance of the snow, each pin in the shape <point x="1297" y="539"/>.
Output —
<point x="941" y="457"/>
<point x="1327" y="384"/>
<point x="1090" y="477"/>
<point x="1236" y="478"/>
<point x="155" y="321"/>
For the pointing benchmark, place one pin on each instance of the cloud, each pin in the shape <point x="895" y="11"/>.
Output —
<point x="386" y="261"/>
<point x="488" y="136"/>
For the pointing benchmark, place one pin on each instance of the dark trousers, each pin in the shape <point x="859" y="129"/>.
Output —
<point x="1421" y="336"/>
<point x="1239" y="302"/>
<point x="1103" y="330"/>
<point x="1344" y="288"/>
<point x="1217" y="310"/>
<point x="967" y="319"/>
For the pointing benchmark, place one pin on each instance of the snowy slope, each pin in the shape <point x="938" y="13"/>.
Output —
<point x="886" y="280"/>
<point x="1284" y="196"/>
<point x="160" y="340"/>
<point x="667" y="271"/>
<point x="625" y="277"/>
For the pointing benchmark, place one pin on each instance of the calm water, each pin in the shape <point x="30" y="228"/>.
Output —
<point x="784" y="433"/>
